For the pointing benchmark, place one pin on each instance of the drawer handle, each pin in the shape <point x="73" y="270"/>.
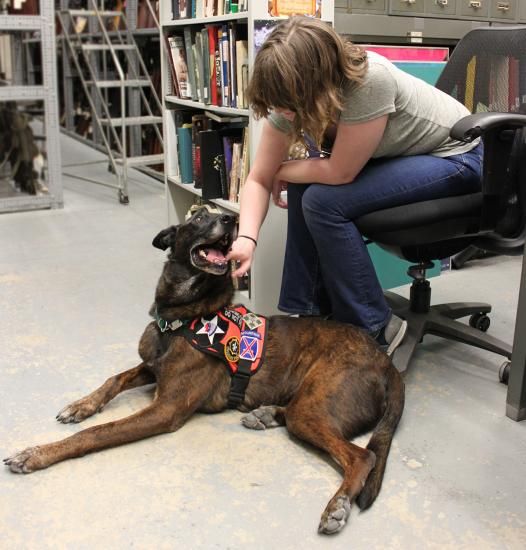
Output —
<point x="503" y="6"/>
<point x="409" y="2"/>
<point x="475" y="4"/>
<point x="442" y="2"/>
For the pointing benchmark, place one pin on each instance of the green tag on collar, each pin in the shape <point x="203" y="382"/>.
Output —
<point x="164" y="325"/>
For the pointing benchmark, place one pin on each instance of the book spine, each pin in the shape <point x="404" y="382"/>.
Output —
<point x="172" y="66"/>
<point x="232" y="64"/>
<point x="190" y="62"/>
<point x="225" y="66"/>
<point x="218" y="69"/>
<point x="184" y="149"/>
<point x="206" y="65"/>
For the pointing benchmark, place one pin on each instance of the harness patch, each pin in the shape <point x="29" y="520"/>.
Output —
<point x="232" y="349"/>
<point x="233" y="334"/>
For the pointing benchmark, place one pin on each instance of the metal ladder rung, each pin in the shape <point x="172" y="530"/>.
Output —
<point x="117" y="83"/>
<point x="132" y="121"/>
<point x="106" y="47"/>
<point x="146" y="159"/>
<point x="92" y="13"/>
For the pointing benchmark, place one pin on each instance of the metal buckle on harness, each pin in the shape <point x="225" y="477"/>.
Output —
<point x="165" y="325"/>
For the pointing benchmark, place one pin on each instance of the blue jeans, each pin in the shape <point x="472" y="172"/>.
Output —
<point x="327" y="269"/>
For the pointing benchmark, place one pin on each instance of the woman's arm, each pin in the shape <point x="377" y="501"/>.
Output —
<point x="353" y="147"/>
<point x="272" y="150"/>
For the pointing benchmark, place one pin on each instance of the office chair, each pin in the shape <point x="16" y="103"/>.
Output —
<point x="487" y="72"/>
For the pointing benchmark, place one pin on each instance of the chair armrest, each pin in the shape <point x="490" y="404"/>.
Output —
<point x="471" y="127"/>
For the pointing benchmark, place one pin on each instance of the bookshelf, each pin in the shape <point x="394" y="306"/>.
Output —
<point x="253" y="22"/>
<point x="28" y="98"/>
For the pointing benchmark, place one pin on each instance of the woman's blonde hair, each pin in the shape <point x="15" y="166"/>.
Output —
<point x="302" y="66"/>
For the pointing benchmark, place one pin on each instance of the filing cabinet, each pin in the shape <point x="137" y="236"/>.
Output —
<point x="441" y="8"/>
<point x="407" y="7"/>
<point x="488" y="10"/>
<point x="476" y="9"/>
<point x="368" y="6"/>
<point x="503" y="9"/>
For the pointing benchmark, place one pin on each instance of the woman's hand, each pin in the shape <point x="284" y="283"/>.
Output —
<point x="242" y="251"/>
<point x="278" y="186"/>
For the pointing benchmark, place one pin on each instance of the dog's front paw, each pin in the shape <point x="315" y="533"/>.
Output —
<point x="24" y="462"/>
<point x="78" y="411"/>
<point x="335" y="515"/>
<point x="260" y="419"/>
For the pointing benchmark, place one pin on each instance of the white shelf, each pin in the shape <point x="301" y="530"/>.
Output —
<point x="227" y="205"/>
<point x="205" y="106"/>
<point x="206" y="20"/>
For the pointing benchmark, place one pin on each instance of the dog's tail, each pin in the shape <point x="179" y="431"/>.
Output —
<point x="380" y="441"/>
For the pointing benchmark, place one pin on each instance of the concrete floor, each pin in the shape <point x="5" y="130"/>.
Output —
<point x="75" y="288"/>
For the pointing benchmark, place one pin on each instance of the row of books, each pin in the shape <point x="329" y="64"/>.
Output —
<point x="213" y="153"/>
<point x="210" y="64"/>
<point x="197" y="9"/>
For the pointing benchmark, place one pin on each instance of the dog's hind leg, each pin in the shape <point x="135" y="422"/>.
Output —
<point x="264" y="417"/>
<point x="313" y="425"/>
<point x="95" y="401"/>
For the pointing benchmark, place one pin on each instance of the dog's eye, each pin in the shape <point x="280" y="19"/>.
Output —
<point x="198" y="219"/>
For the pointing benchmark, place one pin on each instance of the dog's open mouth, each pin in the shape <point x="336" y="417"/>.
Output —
<point x="211" y="257"/>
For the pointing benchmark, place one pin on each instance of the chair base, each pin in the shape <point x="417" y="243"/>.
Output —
<point x="440" y="320"/>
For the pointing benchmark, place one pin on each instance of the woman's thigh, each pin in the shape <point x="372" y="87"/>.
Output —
<point x="386" y="183"/>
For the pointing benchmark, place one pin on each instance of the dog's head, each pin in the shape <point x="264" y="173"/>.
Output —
<point x="202" y="241"/>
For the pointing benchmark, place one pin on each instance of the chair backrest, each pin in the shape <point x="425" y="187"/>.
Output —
<point x="487" y="70"/>
<point x="487" y="73"/>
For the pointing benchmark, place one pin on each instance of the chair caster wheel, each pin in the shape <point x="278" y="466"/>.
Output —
<point x="480" y="321"/>
<point x="504" y="372"/>
<point x="123" y="199"/>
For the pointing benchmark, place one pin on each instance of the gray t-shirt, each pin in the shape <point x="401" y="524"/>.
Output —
<point x="420" y="115"/>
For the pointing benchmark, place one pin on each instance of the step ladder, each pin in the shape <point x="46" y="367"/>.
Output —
<point x="107" y="60"/>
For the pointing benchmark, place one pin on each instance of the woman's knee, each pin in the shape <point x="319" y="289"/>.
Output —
<point x="316" y="201"/>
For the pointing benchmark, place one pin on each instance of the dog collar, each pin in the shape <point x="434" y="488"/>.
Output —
<point x="164" y="325"/>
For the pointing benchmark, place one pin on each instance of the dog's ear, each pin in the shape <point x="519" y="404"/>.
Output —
<point x="165" y="238"/>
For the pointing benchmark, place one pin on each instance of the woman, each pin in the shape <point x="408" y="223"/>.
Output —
<point x="389" y="138"/>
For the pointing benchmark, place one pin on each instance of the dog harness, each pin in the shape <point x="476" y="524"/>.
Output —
<point x="233" y="334"/>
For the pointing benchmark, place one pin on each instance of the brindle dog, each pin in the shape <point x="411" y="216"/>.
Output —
<point x="326" y="382"/>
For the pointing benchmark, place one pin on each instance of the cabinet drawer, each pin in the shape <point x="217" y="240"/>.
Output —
<point x="475" y="8"/>
<point x="503" y="9"/>
<point x="441" y="7"/>
<point x="407" y="7"/>
<point x="522" y="11"/>
<point x="368" y="5"/>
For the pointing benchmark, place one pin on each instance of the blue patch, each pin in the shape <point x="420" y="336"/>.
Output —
<point x="249" y="346"/>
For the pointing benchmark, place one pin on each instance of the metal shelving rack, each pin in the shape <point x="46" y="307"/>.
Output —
<point x="70" y="80"/>
<point x="44" y="24"/>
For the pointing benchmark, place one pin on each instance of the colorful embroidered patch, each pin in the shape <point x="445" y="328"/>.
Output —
<point x="249" y="345"/>
<point x="232" y="349"/>
<point x="211" y="328"/>
<point x="252" y="320"/>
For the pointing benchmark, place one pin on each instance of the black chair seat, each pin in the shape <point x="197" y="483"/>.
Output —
<point x="424" y="222"/>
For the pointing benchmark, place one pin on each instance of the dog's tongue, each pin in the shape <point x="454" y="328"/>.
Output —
<point x="215" y="256"/>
